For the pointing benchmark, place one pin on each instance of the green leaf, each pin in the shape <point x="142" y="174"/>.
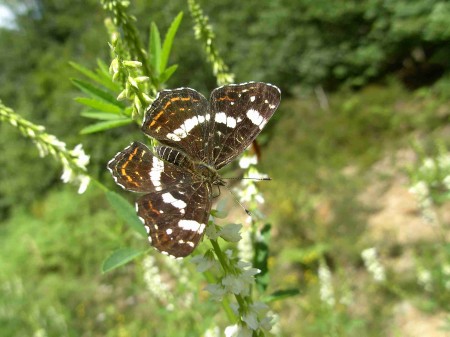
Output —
<point x="220" y="214"/>
<point x="100" y="105"/>
<point x="107" y="125"/>
<point x="103" y="69"/>
<point x="168" y="41"/>
<point x="120" y="257"/>
<point x="126" y="212"/>
<point x="103" y="72"/>
<point x="106" y="82"/>
<point x="261" y="257"/>
<point x="281" y="294"/>
<point x="94" y="91"/>
<point x="104" y="116"/>
<point x="167" y="73"/>
<point x="155" y="49"/>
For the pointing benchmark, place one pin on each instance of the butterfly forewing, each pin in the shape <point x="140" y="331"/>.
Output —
<point x="176" y="219"/>
<point x="180" y="119"/>
<point x="240" y="112"/>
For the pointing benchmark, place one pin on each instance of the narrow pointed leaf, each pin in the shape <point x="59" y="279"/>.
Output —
<point x="104" y="116"/>
<point x="281" y="294"/>
<point x="100" y="79"/>
<point x="103" y="72"/>
<point x="168" y="73"/>
<point x="100" y="105"/>
<point x="86" y="72"/>
<point x="168" y="41"/>
<point x="155" y="49"/>
<point x="106" y="125"/>
<point x="94" y="91"/>
<point x="120" y="257"/>
<point x="126" y="212"/>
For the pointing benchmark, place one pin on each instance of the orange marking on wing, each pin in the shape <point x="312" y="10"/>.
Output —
<point x="156" y="117"/>
<point x="225" y="98"/>
<point x="124" y="173"/>
<point x="152" y="208"/>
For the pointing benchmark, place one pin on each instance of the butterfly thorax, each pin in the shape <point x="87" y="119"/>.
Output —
<point x="201" y="171"/>
<point x="207" y="173"/>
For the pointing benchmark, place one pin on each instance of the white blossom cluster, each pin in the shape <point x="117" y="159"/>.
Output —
<point x="74" y="161"/>
<point x="237" y="280"/>
<point x="155" y="285"/>
<point x="326" y="285"/>
<point x="80" y="160"/>
<point x="425" y="279"/>
<point x="432" y="173"/>
<point x="257" y="317"/>
<point x="373" y="265"/>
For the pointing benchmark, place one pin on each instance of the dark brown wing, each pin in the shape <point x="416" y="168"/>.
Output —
<point x="176" y="219"/>
<point x="180" y="119"/>
<point x="240" y="112"/>
<point x="137" y="169"/>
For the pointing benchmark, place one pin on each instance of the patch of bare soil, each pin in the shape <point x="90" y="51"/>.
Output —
<point x="396" y="220"/>
<point x="409" y="321"/>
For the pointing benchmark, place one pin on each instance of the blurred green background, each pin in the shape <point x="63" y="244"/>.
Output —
<point x="365" y="110"/>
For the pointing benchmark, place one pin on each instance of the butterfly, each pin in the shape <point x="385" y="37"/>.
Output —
<point x="197" y="138"/>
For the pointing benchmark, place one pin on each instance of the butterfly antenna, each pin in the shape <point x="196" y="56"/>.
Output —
<point x="251" y="178"/>
<point x="237" y="200"/>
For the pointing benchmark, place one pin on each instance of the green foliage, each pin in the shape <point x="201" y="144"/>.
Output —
<point x="121" y="257"/>
<point x="126" y="212"/>
<point x="54" y="243"/>
<point x="159" y="55"/>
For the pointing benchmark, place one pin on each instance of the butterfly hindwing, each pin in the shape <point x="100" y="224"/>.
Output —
<point x="176" y="219"/>
<point x="138" y="169"/>
<point x="240" y="112"/>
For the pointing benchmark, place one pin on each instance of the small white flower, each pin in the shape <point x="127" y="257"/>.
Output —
<point x="41" y="149"/>
<point x="216" y="291"/>
<point x="235" y="284"/>
<point x="212" y="332"/>
<point x="67" y="175"/>
<point x="82" y="159"/>
<point x="212" y="232"/>
<point x="326" y="286"/>
<point x="251" y="320"/>
<point x="429" y="164"/>
<point x="245" y="246"/>
<point x="237" y="331"/>
<point x="424" y="278"/>
<point x="204" y="262"/>
<point x="420" y="189"/>
<point x="373" y="265"/>
<point x="132" y="64"/>
<point x="230" y="232"/>
<point x="84" y="183"/>
<point x="246" y="161"/>
<point x="258" y="317"/>
<point x="231" y="330"/>
<point x="240" y="282"/>
<point x="154" y="283"/>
